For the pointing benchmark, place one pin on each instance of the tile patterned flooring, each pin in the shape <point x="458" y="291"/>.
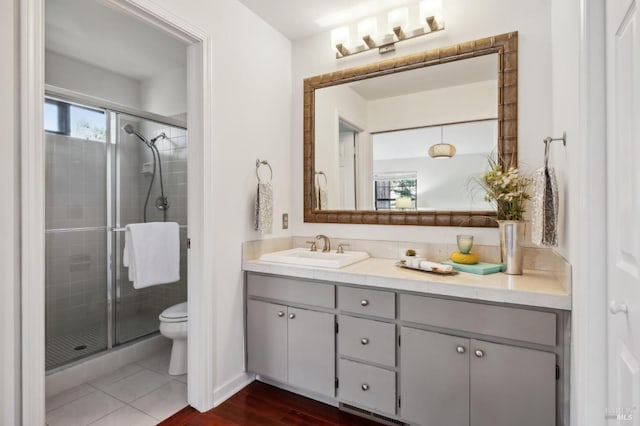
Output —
<point x="138" y="394"/>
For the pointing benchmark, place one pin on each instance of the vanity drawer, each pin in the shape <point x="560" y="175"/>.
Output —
<point x="367" y="386"/>
<point x="368" y="302"/>
<point x="510" y="323"/>
<point x="368" y="340"/>
<point x="291" y="290"/>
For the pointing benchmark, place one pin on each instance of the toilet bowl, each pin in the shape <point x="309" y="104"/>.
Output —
<point x="173" y="325"/>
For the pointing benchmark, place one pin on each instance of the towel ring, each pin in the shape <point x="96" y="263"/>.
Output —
<point x="326" y="182"/>
<point x="266" y="163"/>
<point x="547" y="141"/>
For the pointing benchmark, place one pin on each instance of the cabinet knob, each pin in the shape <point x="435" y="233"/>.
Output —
<point x="364" y="302"/>
<point x="364" y="341"/>
<point x="479" y="353"/>
<point x="616" y="308"/>
<point x="460" y="349"/>
<point x="280" y="313"/>
<point x="292" y="316"/>
<point x="365" y="387"/>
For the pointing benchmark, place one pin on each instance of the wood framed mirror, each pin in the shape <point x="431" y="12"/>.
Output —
<point x="428" y="118"/>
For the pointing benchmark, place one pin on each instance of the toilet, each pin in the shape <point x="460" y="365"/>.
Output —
<point x="173" y="325"/>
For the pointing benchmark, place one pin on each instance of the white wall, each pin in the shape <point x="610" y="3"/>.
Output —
<point x="440" y="186"/>
<point x="465" y="20"/>
<point x="251" y="119"/>
<point x="71" y="74"/>
<point x="166" y="93"/>
<point x="453" y="104"/>
<point x="333" y="104"/>
<point x="9" y="217"/>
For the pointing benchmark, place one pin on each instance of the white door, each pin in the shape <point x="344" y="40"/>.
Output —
<point x="623" y="212"/>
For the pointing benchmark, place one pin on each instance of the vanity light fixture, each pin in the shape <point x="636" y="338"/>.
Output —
<point x="442" y="150"/>
<point x="397" y="22"/>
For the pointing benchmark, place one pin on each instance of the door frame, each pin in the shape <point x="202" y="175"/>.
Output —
<point x="587" y="225"/>
<point x="201" y="297"/>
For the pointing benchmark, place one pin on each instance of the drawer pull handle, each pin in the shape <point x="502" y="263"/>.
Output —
<point x="292" y="316"/>
<point x="364" y="302"/>
<point x="280" y="313"/>
<point x="460" y="349"/>
<point x="364" y="341"/>
<point x="479" y="353"/>
<point x="365" y="387"/>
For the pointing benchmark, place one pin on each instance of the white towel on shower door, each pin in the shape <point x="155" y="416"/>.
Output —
<point x="152" y="253"/>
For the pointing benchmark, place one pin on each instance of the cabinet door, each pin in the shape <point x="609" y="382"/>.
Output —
<point x="267" y="339"/>
<point x="511" y="386"/>
<point x="434" y="378"/>
<point x="311" y="351"/>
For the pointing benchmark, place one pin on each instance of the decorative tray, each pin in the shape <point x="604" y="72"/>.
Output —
<point x="433" y="271"/>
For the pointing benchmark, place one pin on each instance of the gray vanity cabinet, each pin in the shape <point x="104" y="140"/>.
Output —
<point x="434" y="378"/>
<point x="407" y="357"/>
<point x="458" y="382"/>
<point x="311" y="350"/>
<point x="267" y="339"/>
<point x="287" y="343"/>
<point x="509" y="385"/>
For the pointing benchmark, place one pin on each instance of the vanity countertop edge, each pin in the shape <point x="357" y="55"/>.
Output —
<point x="546" y="289"/>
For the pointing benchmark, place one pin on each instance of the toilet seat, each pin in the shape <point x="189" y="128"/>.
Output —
<point x="175" y="313"/>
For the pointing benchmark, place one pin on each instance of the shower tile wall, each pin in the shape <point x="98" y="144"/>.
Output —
<point x="75" y="247"/>
<point x="137" y="310"/>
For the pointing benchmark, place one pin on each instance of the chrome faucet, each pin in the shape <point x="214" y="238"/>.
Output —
<point x="327" y="242"/>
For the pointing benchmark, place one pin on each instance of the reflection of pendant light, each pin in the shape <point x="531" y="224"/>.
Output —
<point x="442" y="150"/>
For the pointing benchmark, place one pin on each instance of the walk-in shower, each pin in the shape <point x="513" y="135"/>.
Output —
<point x="99" y="178"/>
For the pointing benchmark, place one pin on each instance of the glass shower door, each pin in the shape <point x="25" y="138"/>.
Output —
<point x="75" y="232"/>
<point x="137" y="310"/>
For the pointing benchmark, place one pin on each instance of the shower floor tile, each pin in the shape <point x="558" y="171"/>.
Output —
<point x="138" y="394"/>
<point x="61" y="350"/>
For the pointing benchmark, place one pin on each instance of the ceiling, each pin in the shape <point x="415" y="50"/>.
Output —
<point x="95" y="34"/>
<point x="298" y="19"/>
<point x="456" y="73"/>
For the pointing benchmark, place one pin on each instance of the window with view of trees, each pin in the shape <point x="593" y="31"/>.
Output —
<point x="396" y="191"/>
<point x="73" y="120"/>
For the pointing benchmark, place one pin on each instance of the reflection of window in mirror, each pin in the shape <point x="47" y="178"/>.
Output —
<point x="396" y="190"/>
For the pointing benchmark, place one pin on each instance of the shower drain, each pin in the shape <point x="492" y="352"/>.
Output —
<point x="80" y="348"/>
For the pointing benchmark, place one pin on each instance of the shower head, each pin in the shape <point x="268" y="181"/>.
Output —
<point x="128" y="128"/>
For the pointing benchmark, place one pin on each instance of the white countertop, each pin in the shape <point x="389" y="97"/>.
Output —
<point x="534" y="288"/>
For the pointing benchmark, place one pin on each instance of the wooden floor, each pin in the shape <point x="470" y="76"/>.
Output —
<point x="261" y="404"/>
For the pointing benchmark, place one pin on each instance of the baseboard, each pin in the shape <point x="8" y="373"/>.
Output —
<point x="232" y="387"/>
<point x="312" y="395"/>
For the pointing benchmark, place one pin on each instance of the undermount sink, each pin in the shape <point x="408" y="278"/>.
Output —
<point x="306" y="257"/>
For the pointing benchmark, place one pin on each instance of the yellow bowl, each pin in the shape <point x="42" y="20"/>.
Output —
<point x="466" y="259"/>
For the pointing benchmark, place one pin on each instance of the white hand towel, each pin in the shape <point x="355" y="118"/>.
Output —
<point x="323" y="198"/>
<point x="152" y="253"/>
<point x="544" y="209"/>
<point x="264" y="208"/>
<point x="321" y="194"/>
<point x="429" y="266"/>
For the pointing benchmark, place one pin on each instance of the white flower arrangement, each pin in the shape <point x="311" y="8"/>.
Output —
<point x="508" y="190"/>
